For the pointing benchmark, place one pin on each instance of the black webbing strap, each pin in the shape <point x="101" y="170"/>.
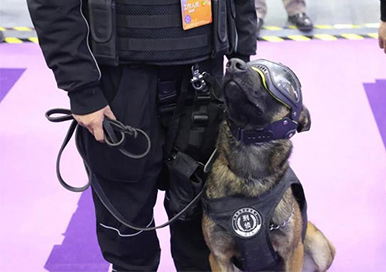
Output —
<point x="158" y="21"/>
<point x="150" y="45"/>
<point x="200" y="120"/>
<point x="207" y="90"/>
<point x="147" y="2"/>
<point x="213" y="82"/>
<point x="175" y="120"/>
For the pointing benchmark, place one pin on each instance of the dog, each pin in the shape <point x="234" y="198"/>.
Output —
<point x="264" y="109"/>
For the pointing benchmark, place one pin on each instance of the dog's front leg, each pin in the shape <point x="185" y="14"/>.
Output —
<point x="218" y="265"/>
<point x="297" y="259"/>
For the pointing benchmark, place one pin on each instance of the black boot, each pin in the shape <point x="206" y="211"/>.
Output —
<point x="301" y="21"/>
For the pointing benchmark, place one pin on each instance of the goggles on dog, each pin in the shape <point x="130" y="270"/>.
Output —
<point x="284" y="86"/>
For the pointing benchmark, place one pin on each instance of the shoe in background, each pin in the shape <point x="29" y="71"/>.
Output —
<point x="301" y="21"/>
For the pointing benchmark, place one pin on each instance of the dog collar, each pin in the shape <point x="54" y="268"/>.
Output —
<point x="282" y="129"/>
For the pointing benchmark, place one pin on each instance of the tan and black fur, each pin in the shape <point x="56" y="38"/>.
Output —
<point x="251" y="170"/>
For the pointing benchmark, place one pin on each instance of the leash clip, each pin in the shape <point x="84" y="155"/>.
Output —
<point x="198" y="81"/>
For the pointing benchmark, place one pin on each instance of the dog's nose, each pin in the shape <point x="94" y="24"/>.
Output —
<point x="236" y="66"/>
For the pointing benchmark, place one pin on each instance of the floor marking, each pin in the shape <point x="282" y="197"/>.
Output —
<point x="272" y="39"/>
<point x="299" y="38"/>
<point x="352" y="36"/>
<point x="13" y="40"/>
<point x="325" y="37"/>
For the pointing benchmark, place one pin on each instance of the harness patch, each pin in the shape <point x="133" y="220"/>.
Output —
<point x="246" y="222"/>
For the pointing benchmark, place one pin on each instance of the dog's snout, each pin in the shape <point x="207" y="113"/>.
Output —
<point x="236" y="66"/>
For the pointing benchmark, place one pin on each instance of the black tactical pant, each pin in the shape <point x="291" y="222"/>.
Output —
<point x="132" y="184"/>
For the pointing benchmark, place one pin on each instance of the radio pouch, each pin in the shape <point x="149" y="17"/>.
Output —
<point x="186" y="179"/>
<point x="103" y="31"/>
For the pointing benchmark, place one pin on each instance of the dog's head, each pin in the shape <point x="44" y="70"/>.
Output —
<point x="264" y="99"/>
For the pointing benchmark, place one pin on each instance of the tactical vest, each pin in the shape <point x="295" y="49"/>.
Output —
<point x="151" y="31"/>
<point x="248" y="220"/>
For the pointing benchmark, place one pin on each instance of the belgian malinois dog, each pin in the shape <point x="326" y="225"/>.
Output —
<point x="264" y="109"/>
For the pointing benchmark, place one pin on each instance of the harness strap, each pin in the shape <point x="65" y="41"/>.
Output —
<point x="207" y="90"/>
<point x="173" y="127"/>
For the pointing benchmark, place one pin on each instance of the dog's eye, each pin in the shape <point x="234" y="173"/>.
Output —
<point x="290" y="90"/>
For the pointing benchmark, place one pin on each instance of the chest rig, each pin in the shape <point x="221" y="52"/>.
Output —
<point x="248" y="221"/>
<point x="151" y="32"/>
<point x="146" y="31"/>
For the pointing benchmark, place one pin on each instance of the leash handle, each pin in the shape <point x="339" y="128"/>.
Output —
<point x="66" y="115"/>
<point x="110" y="127"/>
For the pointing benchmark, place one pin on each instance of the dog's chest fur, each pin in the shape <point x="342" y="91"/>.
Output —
<point x="249" y="170"/>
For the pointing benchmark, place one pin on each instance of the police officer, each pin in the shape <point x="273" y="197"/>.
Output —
<point x="114" y="58"/>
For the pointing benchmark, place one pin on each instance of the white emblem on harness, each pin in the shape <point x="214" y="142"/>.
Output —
<point x="246" y="222"/>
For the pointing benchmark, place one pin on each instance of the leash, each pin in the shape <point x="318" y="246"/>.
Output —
<point x="111" y="127"/>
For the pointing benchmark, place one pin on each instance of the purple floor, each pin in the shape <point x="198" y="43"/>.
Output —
<point x="341" y="161"/>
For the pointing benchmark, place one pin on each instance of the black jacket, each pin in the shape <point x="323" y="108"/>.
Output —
<point x="383" y="10"/>
<point x="63" y="34"/>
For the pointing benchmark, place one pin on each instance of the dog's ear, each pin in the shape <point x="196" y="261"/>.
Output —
<point x="304" y="123"/>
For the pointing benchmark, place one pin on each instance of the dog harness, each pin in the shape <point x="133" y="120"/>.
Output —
<point x="248" y="220"/>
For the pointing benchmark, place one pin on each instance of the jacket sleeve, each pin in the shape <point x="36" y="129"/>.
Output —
<point x="383" y="10"/>
<point x="63" y="37"/>
<point x="246" y="25"/>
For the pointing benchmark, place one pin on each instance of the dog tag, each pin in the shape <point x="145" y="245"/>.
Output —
<point x="196" y="13"/>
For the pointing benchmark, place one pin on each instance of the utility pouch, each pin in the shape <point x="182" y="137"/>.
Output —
<point x="103" y="31"/>
<point x="186" y="180"/>
<point x="224" y="39"/>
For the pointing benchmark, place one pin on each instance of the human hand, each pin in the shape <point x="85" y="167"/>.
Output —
<point x="94" y="121"/>
<point x="382" y="35"/>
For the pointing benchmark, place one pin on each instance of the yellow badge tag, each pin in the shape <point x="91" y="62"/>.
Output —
<point x="196" y="13"/>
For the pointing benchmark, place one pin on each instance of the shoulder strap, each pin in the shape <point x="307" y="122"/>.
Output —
<point x="173" y="127"/>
